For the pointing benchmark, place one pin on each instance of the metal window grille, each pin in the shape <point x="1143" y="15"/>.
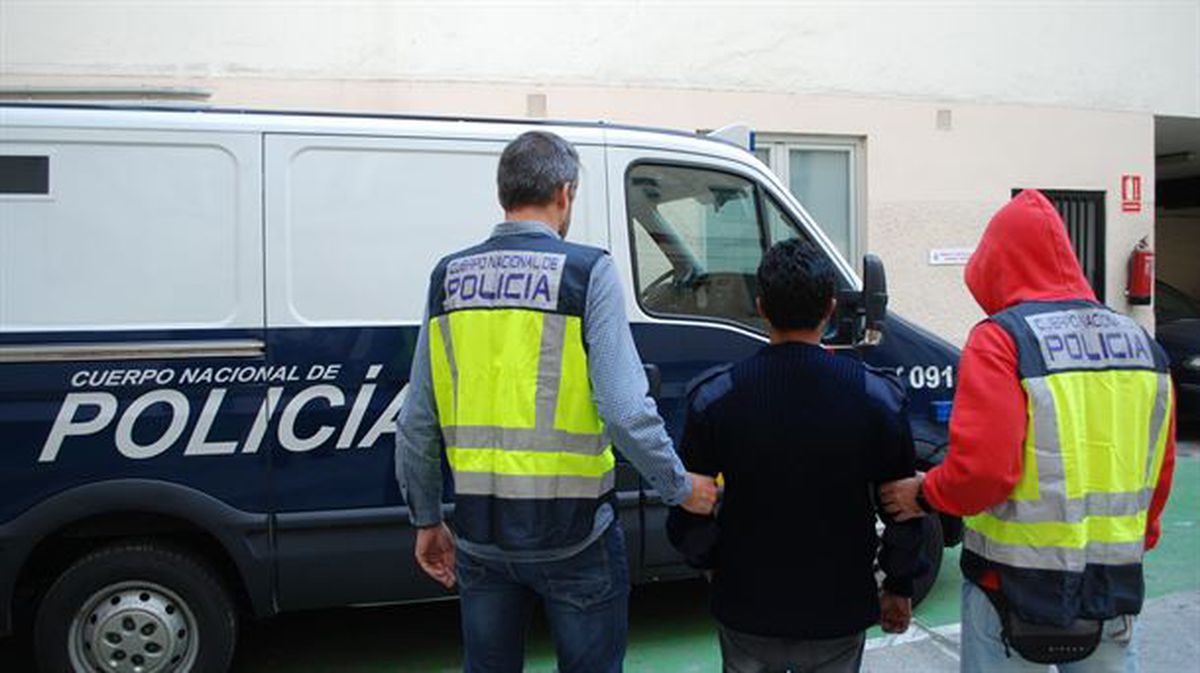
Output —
<point x="1083" y="214"/>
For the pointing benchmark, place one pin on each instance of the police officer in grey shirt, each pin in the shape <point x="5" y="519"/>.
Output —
<point x="527" y="527"/>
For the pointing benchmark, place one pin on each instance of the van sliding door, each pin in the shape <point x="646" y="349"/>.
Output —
<point x="355" y="225"/>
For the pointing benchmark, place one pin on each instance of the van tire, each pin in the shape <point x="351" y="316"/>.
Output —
<point x="934" y="545"/>
<point x="171" y="593"/>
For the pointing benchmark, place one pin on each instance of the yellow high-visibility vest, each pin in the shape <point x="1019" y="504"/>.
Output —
<point x="514" y="400"/>
<point x="1099" y="400"/>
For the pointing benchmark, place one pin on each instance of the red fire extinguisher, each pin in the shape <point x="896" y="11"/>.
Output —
<point x="1140" y="289"/>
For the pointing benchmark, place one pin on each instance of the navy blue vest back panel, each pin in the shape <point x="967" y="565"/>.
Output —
<point x="519" y="271"/>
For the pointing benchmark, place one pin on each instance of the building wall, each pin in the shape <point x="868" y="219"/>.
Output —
<point x="1055" y="96"/>
<point x="1103" y="55"/>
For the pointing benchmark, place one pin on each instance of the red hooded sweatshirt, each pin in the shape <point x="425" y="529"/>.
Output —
<point x="1024" y="255"/>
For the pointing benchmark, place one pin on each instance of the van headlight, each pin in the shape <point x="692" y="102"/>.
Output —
<point x="1192" y="363"/>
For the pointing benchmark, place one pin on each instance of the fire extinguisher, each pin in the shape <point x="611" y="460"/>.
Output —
<point x="1140" y="289"/>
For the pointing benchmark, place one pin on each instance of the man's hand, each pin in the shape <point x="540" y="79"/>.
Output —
<point x="895" y="612"/>
<point x="899" y="497"/>
<point x="704" y="495"/>
<point x="435" y="553"/>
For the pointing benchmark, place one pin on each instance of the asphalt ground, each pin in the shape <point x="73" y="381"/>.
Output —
<point x="671" y="630"/>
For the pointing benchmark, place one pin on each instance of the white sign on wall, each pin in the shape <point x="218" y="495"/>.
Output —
<point x="949" y="256"/>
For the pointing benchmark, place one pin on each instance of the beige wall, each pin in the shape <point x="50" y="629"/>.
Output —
<point x="877" y="71"/>
<point x="1131" y="55"/>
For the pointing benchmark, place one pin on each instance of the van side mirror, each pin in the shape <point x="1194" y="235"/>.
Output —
<point x="874" y="299"/>
<point x="860" y="316"/>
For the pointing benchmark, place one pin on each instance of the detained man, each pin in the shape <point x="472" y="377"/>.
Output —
<point x="802" y="438"/>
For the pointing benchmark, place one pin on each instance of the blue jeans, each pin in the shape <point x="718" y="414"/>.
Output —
<point x="586" y="599"/>
<point x="983" y="650"/>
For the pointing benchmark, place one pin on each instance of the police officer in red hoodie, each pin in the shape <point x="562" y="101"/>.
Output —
<point x="1062" y="445"/>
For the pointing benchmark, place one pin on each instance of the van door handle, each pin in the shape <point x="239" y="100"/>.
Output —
<point x="654" y="379"/>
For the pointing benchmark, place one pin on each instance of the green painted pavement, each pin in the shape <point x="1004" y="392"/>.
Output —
<point x="1175" y="564"/>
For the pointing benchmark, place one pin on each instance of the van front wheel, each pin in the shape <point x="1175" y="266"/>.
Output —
<point x="136" y="607"/>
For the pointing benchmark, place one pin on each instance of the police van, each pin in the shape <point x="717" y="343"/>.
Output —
<point x="207" y="319"/>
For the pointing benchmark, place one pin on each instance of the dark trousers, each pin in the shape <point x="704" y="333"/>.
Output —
<point x="747" y="653"/>
<point x="586" y="599"/>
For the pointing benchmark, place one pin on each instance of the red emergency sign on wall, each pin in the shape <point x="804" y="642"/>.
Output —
<point x="1131" y="193"/>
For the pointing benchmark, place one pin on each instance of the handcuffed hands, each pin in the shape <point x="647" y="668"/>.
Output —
<point x="704" y="495"/>
<point x="895" y="612"/>
<point x="899" y="498"/>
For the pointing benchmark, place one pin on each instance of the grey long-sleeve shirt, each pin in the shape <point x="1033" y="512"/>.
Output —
<point x="621" y="394"/>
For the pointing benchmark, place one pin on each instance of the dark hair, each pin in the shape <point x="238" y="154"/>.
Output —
<point x="795" y="285"/>
<point x="533" y="167"/>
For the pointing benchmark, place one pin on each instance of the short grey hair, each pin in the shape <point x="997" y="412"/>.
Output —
<point x="533" y="168"/>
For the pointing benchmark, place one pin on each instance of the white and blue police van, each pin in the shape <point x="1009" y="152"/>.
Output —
<point x="207" y="319"/>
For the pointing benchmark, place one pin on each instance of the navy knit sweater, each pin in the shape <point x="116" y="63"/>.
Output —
<point x="802" y="438"/>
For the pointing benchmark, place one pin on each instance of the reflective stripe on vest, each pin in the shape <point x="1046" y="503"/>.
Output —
<point x="1098" y="401"/>
<point x="515" y="404"/>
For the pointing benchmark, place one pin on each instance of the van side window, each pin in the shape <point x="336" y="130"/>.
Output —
<point x="24" y="174"/>
<point x="697" y="241"/>
<point x="697" y="237"/>
<point x="145" y="231"/>
<point x="780" y="225"/>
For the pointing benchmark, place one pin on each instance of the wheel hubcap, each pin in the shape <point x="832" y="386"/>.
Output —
<point x="133" y="627"/>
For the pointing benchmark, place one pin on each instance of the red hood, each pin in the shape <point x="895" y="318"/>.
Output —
<point x="1025" y="255"/>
